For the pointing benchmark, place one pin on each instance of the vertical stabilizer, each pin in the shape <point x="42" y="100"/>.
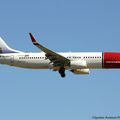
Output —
<point x="4" y="48"/>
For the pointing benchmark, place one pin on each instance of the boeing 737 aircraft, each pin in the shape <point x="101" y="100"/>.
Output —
<point x="76" y="62"/>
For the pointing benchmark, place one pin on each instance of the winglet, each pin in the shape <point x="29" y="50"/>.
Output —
<point x="32" y="38"/>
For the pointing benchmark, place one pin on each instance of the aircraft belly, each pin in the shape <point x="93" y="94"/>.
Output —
<point x="32" y="64"/>
<point x="94" y="64"/>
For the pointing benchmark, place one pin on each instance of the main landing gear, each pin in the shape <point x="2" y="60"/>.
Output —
<point x="62" y="72"/>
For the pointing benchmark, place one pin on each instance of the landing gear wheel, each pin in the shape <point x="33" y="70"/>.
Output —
<point x="62" y="75"/>
<point x="62" y="72"/>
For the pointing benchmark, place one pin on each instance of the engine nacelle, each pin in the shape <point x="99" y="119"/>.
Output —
<point x="78" y="64"/>
<point x="81" y="71"/>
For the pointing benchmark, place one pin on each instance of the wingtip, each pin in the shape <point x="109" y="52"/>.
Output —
<point x="32" y="37"/>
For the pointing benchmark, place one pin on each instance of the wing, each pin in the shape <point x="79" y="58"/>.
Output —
<point x="55" y="58"/>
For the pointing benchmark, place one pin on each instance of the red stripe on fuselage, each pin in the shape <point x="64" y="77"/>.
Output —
<point x="111" y="60"/>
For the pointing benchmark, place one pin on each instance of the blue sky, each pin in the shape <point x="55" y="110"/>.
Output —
<point x="61" y="25"/>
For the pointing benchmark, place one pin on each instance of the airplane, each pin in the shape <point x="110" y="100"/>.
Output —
<point x="78" y="63"/>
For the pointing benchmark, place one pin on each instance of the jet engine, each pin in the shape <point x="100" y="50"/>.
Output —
<point x="81" y="64"/>
<point x="81" y="71"/>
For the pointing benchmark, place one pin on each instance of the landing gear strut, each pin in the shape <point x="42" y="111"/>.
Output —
<point x="62" y="72"/>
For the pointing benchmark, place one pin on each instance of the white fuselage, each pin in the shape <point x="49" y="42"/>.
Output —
<point x="39" y="61"/>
